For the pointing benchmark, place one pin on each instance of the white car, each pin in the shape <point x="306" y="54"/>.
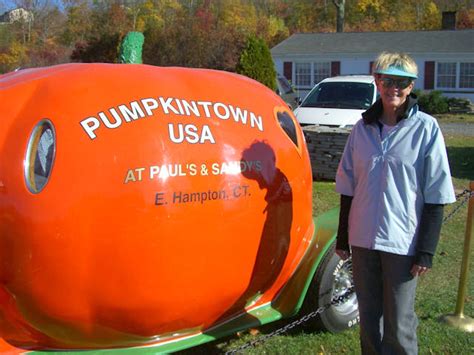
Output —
<point x="338" y="101"/>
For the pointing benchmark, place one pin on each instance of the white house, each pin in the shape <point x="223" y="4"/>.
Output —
<point x="445" y="58"/>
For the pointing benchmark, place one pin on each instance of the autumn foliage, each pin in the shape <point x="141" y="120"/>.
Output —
<point x="195" y="33"/>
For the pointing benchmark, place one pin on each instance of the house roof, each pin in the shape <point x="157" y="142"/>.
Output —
<point x="446" y="41"/>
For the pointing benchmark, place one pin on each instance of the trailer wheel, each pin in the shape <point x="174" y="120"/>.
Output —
<point x="332" y="278"/>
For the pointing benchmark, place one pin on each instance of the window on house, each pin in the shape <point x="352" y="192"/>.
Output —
<point x="446" y="77"/>
<point x="303" y="74"/>
<point x="309" y="74"/>
<point x="466" y="76"/>
<point x="321" y="71"/>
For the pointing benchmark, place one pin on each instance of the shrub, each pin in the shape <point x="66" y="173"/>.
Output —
<point x="102" y="49"/>
<point x="256" y="62"/>
<point x="459" y="105"/>
<point x="433" y="102"/>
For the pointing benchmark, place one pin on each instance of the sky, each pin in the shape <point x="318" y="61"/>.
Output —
<point x="6" y="5"/>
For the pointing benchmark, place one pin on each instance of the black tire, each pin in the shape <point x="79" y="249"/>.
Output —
<point x="331" y="279"/>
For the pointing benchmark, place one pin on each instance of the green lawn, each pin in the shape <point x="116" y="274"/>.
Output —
<point x="437" y="291"/>
<point x="455" y="118"/>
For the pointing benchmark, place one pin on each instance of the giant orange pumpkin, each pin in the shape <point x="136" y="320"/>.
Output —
<point x="143" y="205"/>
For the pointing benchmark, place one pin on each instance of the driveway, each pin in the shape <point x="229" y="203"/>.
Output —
<point x="458" y="129"/>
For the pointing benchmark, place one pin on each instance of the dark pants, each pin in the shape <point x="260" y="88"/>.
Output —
<point x="385" y="291"/>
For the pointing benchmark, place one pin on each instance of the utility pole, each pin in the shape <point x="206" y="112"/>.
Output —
<point x="340" y="6"/>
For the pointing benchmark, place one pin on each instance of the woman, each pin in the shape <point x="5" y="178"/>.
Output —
<point x="393" y="179"/>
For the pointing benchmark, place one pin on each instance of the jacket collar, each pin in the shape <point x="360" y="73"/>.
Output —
<point x="375" y="111"/>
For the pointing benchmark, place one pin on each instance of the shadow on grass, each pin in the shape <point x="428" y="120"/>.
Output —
<point x="461" y="162"/>
<point x="205" y="349"/>
<point x="222" y="345"/>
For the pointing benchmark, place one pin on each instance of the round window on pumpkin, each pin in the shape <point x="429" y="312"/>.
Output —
<point x="40" y="156"/>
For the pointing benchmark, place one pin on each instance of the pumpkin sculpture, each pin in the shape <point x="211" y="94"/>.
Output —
<point x="148" y="208"/>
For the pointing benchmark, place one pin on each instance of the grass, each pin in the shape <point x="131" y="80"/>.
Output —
<point x="436" y="295"/>
<point x="461" y="158"/>
<point x="455" y="118"/>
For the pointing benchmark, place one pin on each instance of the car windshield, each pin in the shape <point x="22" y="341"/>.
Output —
<point x="350" y="95"/>
<point x="285" y="86"/>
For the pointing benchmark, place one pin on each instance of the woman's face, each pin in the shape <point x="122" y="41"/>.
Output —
<point x="393" y="90"/>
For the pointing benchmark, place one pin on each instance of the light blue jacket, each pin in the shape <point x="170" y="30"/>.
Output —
<point x="391" y="179"/>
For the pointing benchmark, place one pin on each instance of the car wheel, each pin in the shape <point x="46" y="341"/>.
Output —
<point x="332" y="279"/>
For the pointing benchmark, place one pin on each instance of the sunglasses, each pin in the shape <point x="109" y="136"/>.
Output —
<point x="398" y="83"/>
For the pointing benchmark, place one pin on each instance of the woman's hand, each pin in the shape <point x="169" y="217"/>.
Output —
<point x="418" y="270"/>
<point x="343" y="254"/>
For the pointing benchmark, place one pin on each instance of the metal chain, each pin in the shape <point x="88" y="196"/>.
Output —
<point x="461" y="194"/>
<point x="467" y="194"/>
<point x="334" y="302"/>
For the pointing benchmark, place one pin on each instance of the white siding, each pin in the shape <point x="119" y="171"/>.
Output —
<point x="359" y="64"/>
